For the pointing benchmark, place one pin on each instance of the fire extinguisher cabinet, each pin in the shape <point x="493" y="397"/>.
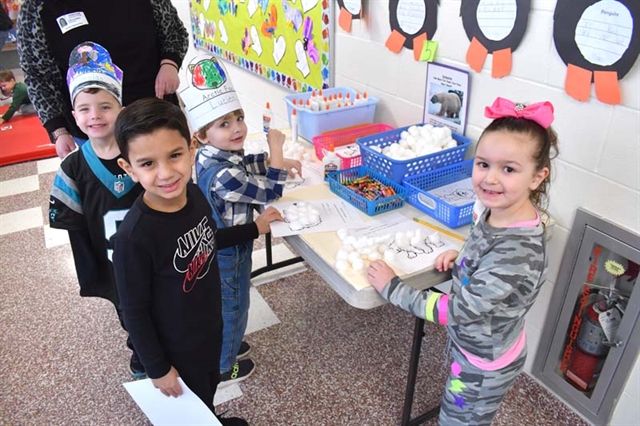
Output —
<point x="590" y="341"/>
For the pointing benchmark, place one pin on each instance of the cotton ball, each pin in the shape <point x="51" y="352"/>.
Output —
<point x="435" y="238"/>
<point x="374" y="255"/>
<point x="353" y="256"/>
<point x="376" y="148"/>
<point x="296" y="225"/>
<point x="404" y="134"/>
<point x="342" y="254"/>
<point x="414" y="131"/>
<point x="358" y="264"/>
<point x="302" y="204"/>
<point x="451" y="144"/>
<point x="348" y="248"/>
<point x="415" y="241"/>
<point x="381" y="248"/>
<point x="305" y="221"/>
<point x="362" y="242"/>
<point x="342" y="265"/>
<point x="418" y="233"/>
<point x="314" y="219"/>
<point x="350" y="240"/>
<point x="313" y="211"/>
<point x="291" y="217"/>
<point x="404" y="143"/>
<point x="389" y="255"/>
<point x="342" y="233"/>
<point x="401" y="241"/>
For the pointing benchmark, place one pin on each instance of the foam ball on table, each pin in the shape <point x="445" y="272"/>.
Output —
<point x="342" y="254"/>
<point x="389" y="255"/>
<point x="353" y="256"/>
<point x="358" y="264"/>
<point x="342" y="265"/>
<point x="435" y="238"/>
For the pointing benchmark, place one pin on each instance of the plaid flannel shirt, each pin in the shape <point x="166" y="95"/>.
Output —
<point x="243" y="186"/>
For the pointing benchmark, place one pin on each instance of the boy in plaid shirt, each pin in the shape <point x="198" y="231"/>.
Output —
<point x="228" y="178"/>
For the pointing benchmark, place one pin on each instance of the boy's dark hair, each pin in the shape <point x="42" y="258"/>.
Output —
<point x="6" y="75"/>
<point x="145" y="116"/>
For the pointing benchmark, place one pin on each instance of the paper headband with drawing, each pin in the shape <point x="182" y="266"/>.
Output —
<point x="90" y="66"/>
<point x="206" y="92"/>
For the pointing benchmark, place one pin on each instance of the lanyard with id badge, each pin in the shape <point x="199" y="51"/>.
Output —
<point x="71" y="20"/>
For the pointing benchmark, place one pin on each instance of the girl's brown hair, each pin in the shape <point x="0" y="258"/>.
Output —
<point x="546" y="141"/>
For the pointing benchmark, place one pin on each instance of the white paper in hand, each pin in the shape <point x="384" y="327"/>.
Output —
<point x="187" y="409"/>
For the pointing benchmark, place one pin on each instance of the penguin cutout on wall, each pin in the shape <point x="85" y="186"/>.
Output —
<point x="599" y="42"/>
<point x="349" y="10"/>
<point x="496" y="27"/>
<point x="412" y="23"/>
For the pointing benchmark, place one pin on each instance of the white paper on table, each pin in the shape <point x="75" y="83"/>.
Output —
<point x="409" y="258"/>
<point x="456" y="193"/>
<point x="334" y="214"/>
<point x="187" y="409"/>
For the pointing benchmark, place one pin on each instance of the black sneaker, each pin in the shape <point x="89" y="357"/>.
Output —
<point x="240" y="371"/>
<point x="137" y="369"/>
<point x="233" y="421"/>
<point x="244" y="351"/>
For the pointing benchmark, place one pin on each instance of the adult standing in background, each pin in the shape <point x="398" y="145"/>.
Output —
<point x="146" y="38"/>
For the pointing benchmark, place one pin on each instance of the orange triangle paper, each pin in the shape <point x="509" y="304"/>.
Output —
<point x="501" y="66"/>
<point x="577" y="83"/>
<point x="418" y="41"/>
<point x="607" y="87"/>
<point x="476" y="55"/>
<point x="345" y="19"/>
<point x="395" y="41"/>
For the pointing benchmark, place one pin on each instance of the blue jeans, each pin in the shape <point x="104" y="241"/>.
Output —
<point x="235" y="274"/>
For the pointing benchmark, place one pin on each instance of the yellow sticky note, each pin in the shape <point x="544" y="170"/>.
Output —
<point x="429" y="48"/>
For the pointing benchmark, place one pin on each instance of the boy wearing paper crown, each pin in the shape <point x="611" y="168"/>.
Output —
<point x="228" y="178"/>
<point x="91" y="193"/>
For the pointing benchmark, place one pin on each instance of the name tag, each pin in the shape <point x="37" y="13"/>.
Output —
<point x="71" y="20"/>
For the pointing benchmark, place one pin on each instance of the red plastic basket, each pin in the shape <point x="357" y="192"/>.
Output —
<point x="347" y="136"/>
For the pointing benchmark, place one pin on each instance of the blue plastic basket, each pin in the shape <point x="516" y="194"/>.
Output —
<point x="336" y="180"/>
<point x="314" y="123"/>
<point x="396" y="170"/>
<point x="450" y="215"/>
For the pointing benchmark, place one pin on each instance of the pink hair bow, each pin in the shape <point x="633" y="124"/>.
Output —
<point x="541" y="112"/>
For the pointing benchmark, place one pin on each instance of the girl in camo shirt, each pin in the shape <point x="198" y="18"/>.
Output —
<point x="500" y="269"/>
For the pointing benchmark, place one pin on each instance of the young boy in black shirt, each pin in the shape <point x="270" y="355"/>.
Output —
<point x="165" y="253"/>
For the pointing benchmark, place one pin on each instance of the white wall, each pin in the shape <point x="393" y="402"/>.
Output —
<point x="599" y="165"/>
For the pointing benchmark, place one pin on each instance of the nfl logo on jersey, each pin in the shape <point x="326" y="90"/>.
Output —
<point x="118" y="186"/>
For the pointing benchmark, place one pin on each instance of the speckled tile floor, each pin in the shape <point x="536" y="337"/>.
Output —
<point x="63" y="358"/>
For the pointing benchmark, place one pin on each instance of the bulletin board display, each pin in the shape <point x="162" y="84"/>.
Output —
<point x="285" y="41"/>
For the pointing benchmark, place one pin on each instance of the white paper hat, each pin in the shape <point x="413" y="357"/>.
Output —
<point x="90" y="66"/>
<point x="206" y="92"/>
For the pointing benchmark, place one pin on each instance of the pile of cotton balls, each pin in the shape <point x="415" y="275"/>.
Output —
<point x="418" y="141"/>
<point x="293" y="150"/>
<point x="355" y="251"/>
<point x="300" y="215"/>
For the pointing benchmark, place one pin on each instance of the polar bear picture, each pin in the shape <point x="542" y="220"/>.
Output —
<point x="450" y="104"/>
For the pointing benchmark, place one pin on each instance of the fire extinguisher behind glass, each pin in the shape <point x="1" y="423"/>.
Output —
<point x="600" y="321"/>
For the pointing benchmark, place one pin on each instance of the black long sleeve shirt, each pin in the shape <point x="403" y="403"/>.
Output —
<point x="169" y="282"/>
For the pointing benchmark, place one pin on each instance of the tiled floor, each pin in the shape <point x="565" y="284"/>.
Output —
<point x="319" y="361"/>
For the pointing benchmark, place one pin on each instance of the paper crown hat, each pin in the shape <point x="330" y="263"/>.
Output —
<point x="90" y="66"/>
<point x="206" y="92"/>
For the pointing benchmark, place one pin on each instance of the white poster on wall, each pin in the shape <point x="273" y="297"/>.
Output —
<point x="446" y="97"/>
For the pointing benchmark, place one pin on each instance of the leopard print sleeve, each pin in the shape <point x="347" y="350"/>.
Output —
<point x="44" y="81"/>
<point x="172" y="36"/>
